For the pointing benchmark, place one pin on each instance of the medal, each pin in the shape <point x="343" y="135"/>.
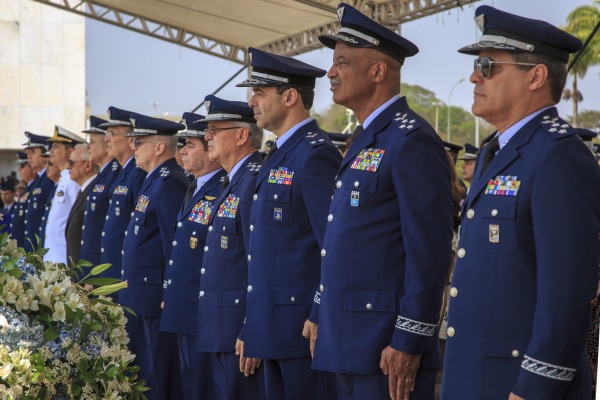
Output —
<point x="494" y="233"/>
<point x="278" y="214"/>
<point x="193" y="243"/>
<point x="354" y="198"/>
<point x="224" y="242"/>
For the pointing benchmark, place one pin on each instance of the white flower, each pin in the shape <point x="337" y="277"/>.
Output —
<point x="5" y="370"/>
<point x="59" y="313"/>
<point x="3" y="323"/>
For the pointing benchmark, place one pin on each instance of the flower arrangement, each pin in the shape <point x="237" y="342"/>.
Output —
<point x="58" y="340"/>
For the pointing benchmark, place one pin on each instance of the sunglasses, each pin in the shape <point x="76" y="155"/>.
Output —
<point x="138" y="142"/>
<point x="214" y="131"/>
<point x="484" y="64"/>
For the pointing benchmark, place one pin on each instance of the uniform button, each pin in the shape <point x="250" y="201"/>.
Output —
<point x="85" y="213"/>
<point x="194" y="233"/>
<point x="249" y="288"/>
<point x="122" y="272"/>
<point x="106" y="217"/>
<point x="170" y="262"/>
<point x="82" y="242"/>
<point x="237" y="301"/>
<point x="251" y="228"/>
<point x="25" y="221"/>
<point x="338" y="184"/>
<point x="451" y="332"/>
<point x="494" y="212"/>
<point x="169" y="282"/>
<point x="323" y="253"/>
<point x="322" y="288"/>
<point x="125" y="233"/>
<point x="26" y="232"/>
<point x="179" y="224"/>
<point x="201" y="294"/>
<point x="122" y="252"/>
<point x="249" y="257"/>
<point x="275" y="197"/>
<point x="82" y="227"/>
<point x="461" y="253"/>
<point x="369" y="306"/>
<point x="224" y="229"/>
<point x="205" y="249"/>
<point x="137" y="219"/>
<point x="43" y="219"/>
<point x="145" y="279"/>
<point x="330" y="217"/>
<point x="202" y="271"/>
<point x="210" y="228"/>
<point x="174" y="243"/>
<point x="470" y="213"/>
<point x="103" y="233"/>
<point x="292" y="299"/>
<point x="255" y="197"/>
<point x="515" y="353"/>
<point x="102" y="250"/>
<point x="453" y="292"/>
<point x="131" y="212"/>
<point x="356" y="184"/>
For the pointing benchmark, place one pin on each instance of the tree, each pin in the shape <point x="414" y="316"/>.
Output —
<point x="581" y="23"/>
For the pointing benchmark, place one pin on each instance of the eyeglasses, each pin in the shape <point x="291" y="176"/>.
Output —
<point x="70" y="163"/>
<point x="138" y="142"/>
<point x="214" y="131"/>
<point x="485" y="65"/>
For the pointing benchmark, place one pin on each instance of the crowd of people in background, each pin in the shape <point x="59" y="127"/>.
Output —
<point x="334" y="266"/>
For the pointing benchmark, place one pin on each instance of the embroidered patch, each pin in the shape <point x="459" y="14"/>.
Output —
<point x="98" y="188"/>
<point x="36" y="191"/>
<point x="278" y="214"/>
<point x="228" y="207"/>
<point x="201" y="212"/>
<point x="60" y="193"/>
<point x="93" y="206"/>
<point x="548" y="370"/>
<point x="281" y="176"/>
<point x="224" y="242"/>
<point x="121" y="190"/>
<point x="142" y="203"/>
<point x="412" y="326"/>
<point x="317" y="298"/>
<point x="503" y="186"/>
<point x="368" y="160"/>
<point x="354" y="198"/>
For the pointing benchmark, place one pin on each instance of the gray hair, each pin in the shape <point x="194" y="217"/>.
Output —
<point x="256" y="134"/>
<point x="84" y="153"/>
<point x="171" y="144"/>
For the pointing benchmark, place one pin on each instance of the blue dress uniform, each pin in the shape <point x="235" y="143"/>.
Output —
<point x="289" y="212"/>
<point x="17" y="223"/>
<point x="7" y="209"/>
<point x="47" y="207"/>
<point x="97" y="203"/>
<point x="39" y="197"/>
<point x="527" y="263"/>
<point x="387" y="243"/>
<point x="146" y="249"/>
<point x="182" y="274"/>
<point x="224" y="270"/>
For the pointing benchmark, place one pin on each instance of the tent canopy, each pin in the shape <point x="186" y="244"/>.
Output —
<point x="226" y="28"/>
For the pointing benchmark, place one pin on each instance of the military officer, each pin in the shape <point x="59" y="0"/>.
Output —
<point x="63" y="143"/>
<point x="146" y="249"/>
<point x="387" y="243"/>
<point x="527" y="264"/>
<point x="7" y="193"/>
<point x="17" y="223"/>
<point x="468" y="159"/>
<point x="40" y="191"/>
<point x="182" y="272"/>
<point x="123" y="191"/>
<point x="289" y="212"/>
<point x="98" y="198"/>
<point x="233" y="140"/>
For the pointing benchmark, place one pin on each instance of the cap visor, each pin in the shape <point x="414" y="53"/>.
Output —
<point x="475" y="48"/>
<point x="331" y="40"/>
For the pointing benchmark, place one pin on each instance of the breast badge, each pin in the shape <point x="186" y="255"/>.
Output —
<point x="281" y="176"/>
<point x="228" y="207"/>
<point x="278" y="214"/>
<point x="494" y="233"/>
<point x="142" y="203"/>
<point x="224" y="242"/>
<point x="503" y="186"/>
<point x="193" y="243"/>
<point x="368" y="160"/>
<point x="201" y="212"/>
<point x="354" y="198"/>
<point x="98" y="188"/>
<point x="120" y="190"/>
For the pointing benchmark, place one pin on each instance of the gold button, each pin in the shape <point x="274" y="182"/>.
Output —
<point x="515" y="353"/>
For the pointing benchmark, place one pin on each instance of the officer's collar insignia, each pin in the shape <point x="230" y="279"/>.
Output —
<point x="311" y="134"/>
<point x="164" y="171"/>
<point x="115" y="165"/>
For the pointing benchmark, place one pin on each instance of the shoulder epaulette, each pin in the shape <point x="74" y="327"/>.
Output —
<point x="557" y="127"/>
<point x="406" y="122"/>
<point x="253" y="167"/>
<point x="316" y="138"/>
<point x="164" y="172"/>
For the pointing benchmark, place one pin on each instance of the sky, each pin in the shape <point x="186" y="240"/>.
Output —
<point x="150" y="76"/>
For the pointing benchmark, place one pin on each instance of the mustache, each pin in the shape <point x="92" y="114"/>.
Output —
<point x="335" y="81"/>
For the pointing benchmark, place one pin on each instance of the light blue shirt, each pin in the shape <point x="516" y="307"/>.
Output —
<point x="40" y="173"/>
<point x="281" y="140"/>
<point x="512" y="131"/>
<point x="379" y="110"/>
<point x="128" y="161"/>
<point x="201" y="180"/>
<point x="237" y="166"/>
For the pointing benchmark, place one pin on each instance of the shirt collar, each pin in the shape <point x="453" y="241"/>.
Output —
<point x="128" y="161"/>
<point x="237" y="166"/>
<point x="512" y="131"/>
<point x="379" y="110"/>
<point x="201" y="180"/>
<point x="86" y="183"/>
<point x="40" y="173"/>
<point x="281" y="140"/>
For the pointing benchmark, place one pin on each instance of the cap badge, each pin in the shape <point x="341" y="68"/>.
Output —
<point x="480" y="21"/>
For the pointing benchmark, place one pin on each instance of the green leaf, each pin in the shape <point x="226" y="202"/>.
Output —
<point x="50" y="333"/>
<point x="100" y="281"/>
<point x="94" y="326"/>
<point x="100" y="268"/>
<point x="75" y="389"/>
<point x="15" y="272"/>
<point x="111" y="372"/>
<point x="95" y="300"/>
<point x="129" y="310"/>
<point x="109" y="289"/>
<point x="84" y="263"/>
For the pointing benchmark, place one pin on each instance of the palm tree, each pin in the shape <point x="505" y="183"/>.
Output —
<point x="581" y="22"/>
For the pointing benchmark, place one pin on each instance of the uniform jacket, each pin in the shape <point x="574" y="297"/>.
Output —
<point x="224" y="280"/>
<point x="17" y="223"/>
<point x="56" y="224"/>
<point x="182" y="272"/>
<point x="74" y="225"/>
<point x="47" y="207"/>
<point x="124" y="194"/>
<point x="7" y="217"/>
<point x="293" y="190"/>
<point x="149" y="237"/>
<point x="96" y="208"/>
<point x="39" y="197"/>
<point x="387" y="246"/>
<point x="526" y="270"/>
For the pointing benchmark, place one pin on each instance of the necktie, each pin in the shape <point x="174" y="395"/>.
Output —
<point x="224" y="183"/>
<point x="271" y="151"/>
<point x="190" y="192"/>
<point x="490" y="152"/>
